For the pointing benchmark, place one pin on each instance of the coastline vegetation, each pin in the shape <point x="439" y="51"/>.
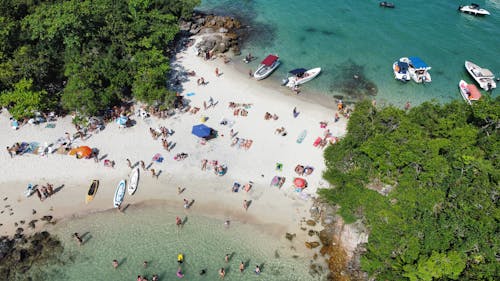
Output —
<point x="426" y="184"/>
<point x="86" y="55"/>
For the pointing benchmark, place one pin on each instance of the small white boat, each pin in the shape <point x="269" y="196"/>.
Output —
<point x="419" y="70"/>
<point x="134" y="180"/>
<point x="119" y="194"/>
<point x="266" y="67"/>
<point x="469" y="92"/>
<point x="401" y="69"/>
<point x="483" y="76"/>
<point x="473" y="9"/>
<point x="301" y="76"/>
<point x="387" y="5"/>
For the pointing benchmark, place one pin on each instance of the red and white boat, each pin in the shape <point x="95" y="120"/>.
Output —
<point x="469" y="92"/>
<point x="266" y="67"/>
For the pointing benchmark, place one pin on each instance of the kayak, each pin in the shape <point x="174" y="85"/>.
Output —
<point x="92" y="191"/>
<point x="134" y="180"/>
<point x="119" y="194"/>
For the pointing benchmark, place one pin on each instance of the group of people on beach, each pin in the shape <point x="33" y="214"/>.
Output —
<point x="45" y="191"/>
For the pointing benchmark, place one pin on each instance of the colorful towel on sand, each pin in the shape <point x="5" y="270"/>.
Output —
<point x="190" y="94"/>
<point x="302" y="136"/>
<point x="50" y="125"/>
<point x="158" y="158"/>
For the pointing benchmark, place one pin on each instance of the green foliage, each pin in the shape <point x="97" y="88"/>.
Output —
<point x="441" y="220"/>
<point x="91" y="54"/>
<point x="23" y="101"/>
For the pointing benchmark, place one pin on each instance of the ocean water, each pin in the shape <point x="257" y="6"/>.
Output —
<point x="357" y="37"/>
<point x="149" y="233"/>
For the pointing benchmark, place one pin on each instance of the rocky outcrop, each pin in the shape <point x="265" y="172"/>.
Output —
<point x="217" y="34"/>
<point x="19" y="254"/>
<point x="342" y="244"/>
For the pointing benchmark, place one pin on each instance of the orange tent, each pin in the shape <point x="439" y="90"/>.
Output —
<point x="81" y="152"/>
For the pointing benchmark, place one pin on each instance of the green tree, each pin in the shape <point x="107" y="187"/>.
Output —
<point x="24" y="101"/>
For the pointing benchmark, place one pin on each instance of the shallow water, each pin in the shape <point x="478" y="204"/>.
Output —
<point x="345" y="37"/>
<point x="149" y="233"/>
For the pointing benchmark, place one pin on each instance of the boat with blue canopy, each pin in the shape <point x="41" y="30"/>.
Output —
<point x="419" y="70"/>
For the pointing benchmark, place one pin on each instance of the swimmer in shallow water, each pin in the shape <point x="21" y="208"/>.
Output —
<point x="203" y="271"/>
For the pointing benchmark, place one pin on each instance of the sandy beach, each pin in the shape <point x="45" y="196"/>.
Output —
<point x="278" y="209"/>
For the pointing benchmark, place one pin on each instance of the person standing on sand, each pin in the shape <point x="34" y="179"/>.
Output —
<point x="178" y="222"/>
<point x="217" y="72"/>
<point x="143" y="165"/>
<point x="250" y="73"/>
<point x="295" y="112"/>
<point x="39" y="194"/>
<point x="245" y="205"/>
<point x="10" y="152"/>
<point x="115" y="264"/>
<point x="154" y="174"/>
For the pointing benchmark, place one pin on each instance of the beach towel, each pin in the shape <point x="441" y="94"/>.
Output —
<point x="50" y="125"/>
<point x="158" y="158"/>
<point x="317" y="141"/>
<point x="190" y="94"/>
<point x="302" y="136"/>
<point x="279" y="167"/>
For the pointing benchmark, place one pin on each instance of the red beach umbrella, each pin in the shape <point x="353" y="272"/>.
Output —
<point x="300" y="182"/>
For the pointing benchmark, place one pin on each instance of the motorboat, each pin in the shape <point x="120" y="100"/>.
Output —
<point x="469" y="92"/>
<point x="266" y="67"/>
<point x="419" y="70"/>
<point x="401" y="69"/>
<point x="301" y="76"/>
<point x="473" y="9"/>
<point x="483" y="76"/>
<point x="387" y="4"/>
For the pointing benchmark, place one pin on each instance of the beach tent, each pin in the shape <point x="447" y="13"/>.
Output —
<point x="300" y="183"/>
<point x="81" y="151"/>
<point x="201" y="131"/>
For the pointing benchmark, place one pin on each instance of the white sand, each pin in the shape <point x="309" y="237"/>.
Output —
<point x="280" y="207"/>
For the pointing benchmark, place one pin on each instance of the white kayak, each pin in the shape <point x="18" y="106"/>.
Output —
<point x="119" y="194"/>
<point x="134" y="180"/>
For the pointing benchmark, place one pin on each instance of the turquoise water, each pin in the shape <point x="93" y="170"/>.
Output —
<point x="346" y="37"/>
<point x="149" y="233"/>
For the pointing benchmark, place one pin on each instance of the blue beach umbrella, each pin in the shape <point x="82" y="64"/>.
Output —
<point x="201" y="131"/>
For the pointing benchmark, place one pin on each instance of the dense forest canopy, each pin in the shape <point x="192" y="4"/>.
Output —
<point x="441" y="218"/>
<point x="86" y="55"/>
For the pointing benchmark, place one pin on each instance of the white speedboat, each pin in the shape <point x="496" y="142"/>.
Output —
<point x="469" y="92"/>
<point x="473" y="9"/>
<point x="266" y="67"/>
<point x="483" y="76"/>
<point x="419" y="70"/>
<point x="301" y="76"/>
<point x="401" y="69"/>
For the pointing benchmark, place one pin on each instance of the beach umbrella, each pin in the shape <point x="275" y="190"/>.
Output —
<point x="81" y="151"/>
<point x="300" y="182"/>
<point x="122" y="120"/>
<point x="201" y="131"/>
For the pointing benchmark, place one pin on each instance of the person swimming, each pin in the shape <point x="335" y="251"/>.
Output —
<point x="203" y="271"/>
<point x="179" y="273"/>
<point x="180" y="258"/>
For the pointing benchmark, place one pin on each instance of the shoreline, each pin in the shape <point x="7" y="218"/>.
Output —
<point x="276" y="210"/>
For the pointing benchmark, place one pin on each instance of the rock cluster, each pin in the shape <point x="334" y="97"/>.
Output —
<point x="218" y="34"/>
<point x="20" y="253"/>
<point x="341" y="244"/>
